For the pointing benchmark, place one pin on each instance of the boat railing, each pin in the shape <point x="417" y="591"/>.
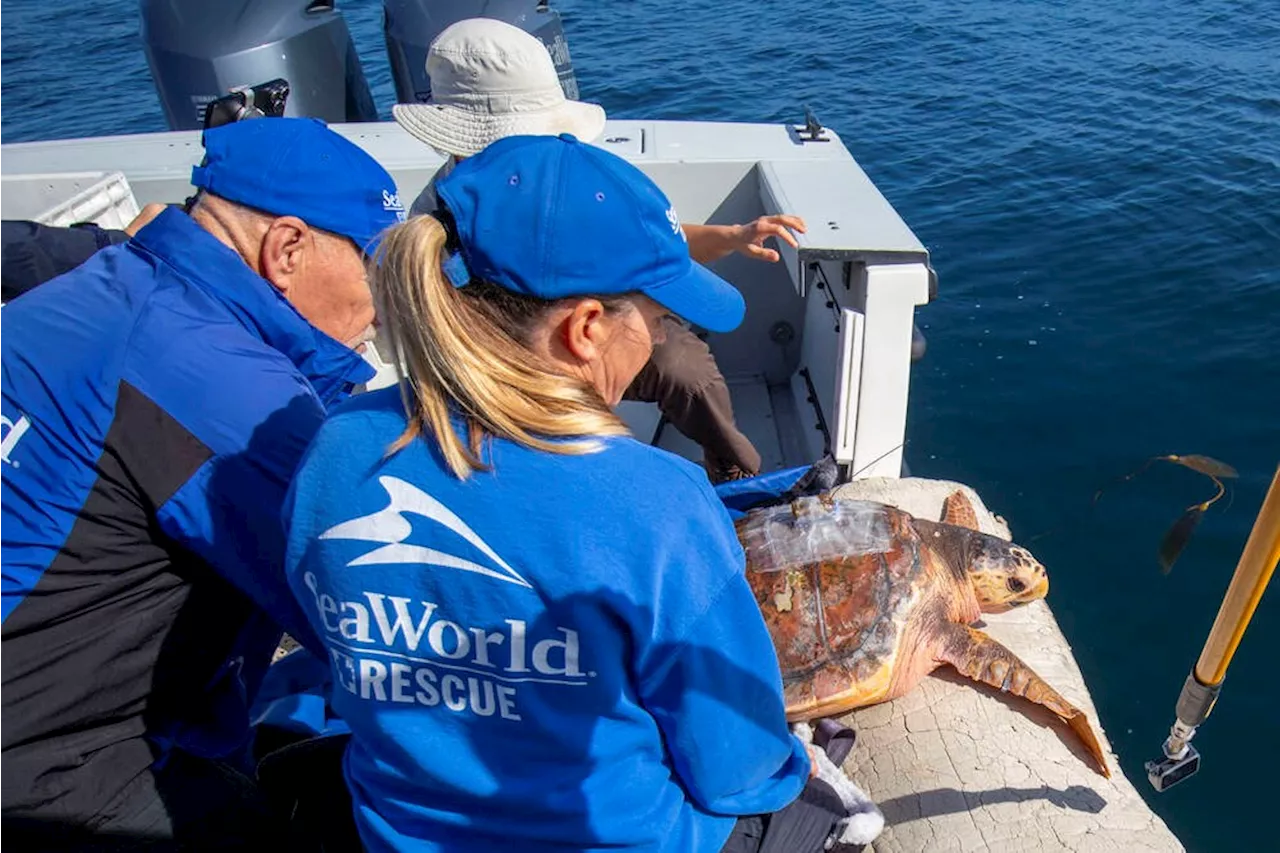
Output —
<point x="862" y="272"/>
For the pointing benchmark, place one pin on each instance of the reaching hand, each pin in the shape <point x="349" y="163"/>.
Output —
<point x="708" y="243"/>
<point x="749" y="239"/>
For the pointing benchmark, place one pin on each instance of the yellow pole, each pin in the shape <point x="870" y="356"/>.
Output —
<point x="1200" y="691"/>
<point x="1257" y="564"/>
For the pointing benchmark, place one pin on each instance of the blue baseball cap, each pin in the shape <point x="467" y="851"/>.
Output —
<point x="553" y="217"/>
<point x="299" y="167"/>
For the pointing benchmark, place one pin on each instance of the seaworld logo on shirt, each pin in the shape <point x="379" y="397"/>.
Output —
<point x="11" y="432"/>
<point x="390" y="528"/>
<point x="389" y="648"/>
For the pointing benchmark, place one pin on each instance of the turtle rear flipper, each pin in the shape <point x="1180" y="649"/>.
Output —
<point x="983" y="659"/>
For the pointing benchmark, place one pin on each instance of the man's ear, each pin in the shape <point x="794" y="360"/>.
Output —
<point x="583" y="331"/>
<point x="283" y="252"/>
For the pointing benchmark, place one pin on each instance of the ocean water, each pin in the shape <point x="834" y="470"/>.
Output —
<point x="1099" y="184"/>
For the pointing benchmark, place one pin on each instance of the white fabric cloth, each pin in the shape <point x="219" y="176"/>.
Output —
<point x="863" y="820"/>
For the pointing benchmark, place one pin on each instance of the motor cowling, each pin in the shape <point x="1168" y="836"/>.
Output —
<point x="411" y="25"/>
<point x="199" y="50"/>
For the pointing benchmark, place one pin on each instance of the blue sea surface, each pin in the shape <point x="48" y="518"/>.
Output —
<point x="1099" y="184"/>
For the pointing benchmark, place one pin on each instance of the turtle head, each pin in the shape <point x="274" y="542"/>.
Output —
<point x="1003" y="575"/>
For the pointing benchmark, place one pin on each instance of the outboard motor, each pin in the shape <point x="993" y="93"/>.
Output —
<point x="199" y="50"/>
<point x="411" y="26"/>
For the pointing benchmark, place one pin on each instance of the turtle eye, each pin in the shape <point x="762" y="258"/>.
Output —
<point x="1016" y="585"/>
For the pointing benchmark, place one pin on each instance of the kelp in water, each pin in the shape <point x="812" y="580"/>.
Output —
<point x="1176" y="537"/>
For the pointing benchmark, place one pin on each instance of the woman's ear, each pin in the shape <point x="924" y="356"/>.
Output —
<point x="282" y="256"/>
<point x="584" y="332"/>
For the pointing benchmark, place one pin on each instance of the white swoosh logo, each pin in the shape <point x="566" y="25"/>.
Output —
<point x="390" y="528"/>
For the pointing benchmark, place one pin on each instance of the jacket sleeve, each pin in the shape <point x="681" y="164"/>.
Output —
<point x="716" y="692"/>
<point x="228" y="511"/>
<point x="214" y="439"/>
<point x="33" y="253"/>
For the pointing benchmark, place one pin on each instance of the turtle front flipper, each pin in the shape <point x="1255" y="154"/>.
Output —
<point x="957" y="509"/>
<point x="983" y="659"/>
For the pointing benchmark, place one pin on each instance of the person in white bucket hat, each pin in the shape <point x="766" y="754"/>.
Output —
<point x="491" y="80"/>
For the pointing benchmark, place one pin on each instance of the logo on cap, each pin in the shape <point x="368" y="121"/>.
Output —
<point x="674" y="219"/>
<point x="391" y="202"/>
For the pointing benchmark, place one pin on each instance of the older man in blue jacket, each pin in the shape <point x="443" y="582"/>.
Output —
<point x="156" y="400"/>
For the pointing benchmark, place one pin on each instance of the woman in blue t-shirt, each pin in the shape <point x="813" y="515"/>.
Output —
<point x="539" y="629"/>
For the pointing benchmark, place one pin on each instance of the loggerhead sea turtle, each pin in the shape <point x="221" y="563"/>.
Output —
<point x="863" y="600"/>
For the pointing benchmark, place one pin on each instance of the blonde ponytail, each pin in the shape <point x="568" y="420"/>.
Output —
<point x="457" y="358"/>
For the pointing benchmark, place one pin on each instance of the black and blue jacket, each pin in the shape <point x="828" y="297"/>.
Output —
<point x="156" y="401"/>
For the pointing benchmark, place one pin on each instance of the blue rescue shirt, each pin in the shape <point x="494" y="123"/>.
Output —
<point x="560" y="654"/>
<point x="156" y="401"/>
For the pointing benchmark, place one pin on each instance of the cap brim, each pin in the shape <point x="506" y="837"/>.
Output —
<point x="703" y="298"/>
<point x="453" y="130"/>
